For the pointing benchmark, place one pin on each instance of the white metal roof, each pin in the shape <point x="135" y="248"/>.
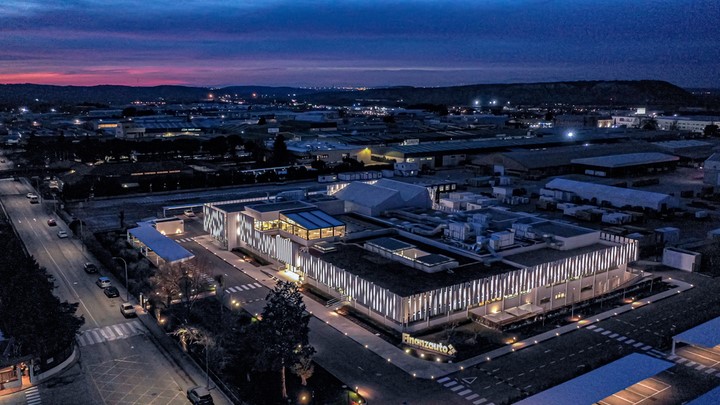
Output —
<point x="616" y="196"/>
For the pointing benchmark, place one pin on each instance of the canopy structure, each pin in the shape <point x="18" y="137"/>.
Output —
<point x="706" y="335"/>
<point x="711" y="397"/>
<point x="602" y="382"/>
<point x="153" y="243"/>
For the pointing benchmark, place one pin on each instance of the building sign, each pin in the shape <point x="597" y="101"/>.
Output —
<point x="447" y="350"/>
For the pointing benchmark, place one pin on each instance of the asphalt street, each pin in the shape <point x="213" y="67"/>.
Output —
<point x="108" y="337"/>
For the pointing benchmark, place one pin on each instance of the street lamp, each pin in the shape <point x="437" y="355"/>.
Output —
<point x="127" y="292"/>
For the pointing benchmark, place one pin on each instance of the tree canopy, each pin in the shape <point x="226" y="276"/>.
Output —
<point x="284" y="332"/>
<point x="41" y="324"/>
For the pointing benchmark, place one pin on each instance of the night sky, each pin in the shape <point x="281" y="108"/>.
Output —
<point x="357" y="43"/>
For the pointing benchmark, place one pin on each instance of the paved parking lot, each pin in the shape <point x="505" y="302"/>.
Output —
<point x="131" y="380"/>
<point x="644" y="392"/>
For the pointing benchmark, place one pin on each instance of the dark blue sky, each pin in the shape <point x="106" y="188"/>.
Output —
<point x="357" y="43"/>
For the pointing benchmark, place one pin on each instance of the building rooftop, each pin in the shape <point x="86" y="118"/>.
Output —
<point x="390" y="244"/>
<point x="560" y="229"/>
<point x="405" y="280"/>
<point x="230" y="207"/>
<point x="314" y="219"/>
<point x="278" y="206"/>
<point x="545" y="255"/>
<point x="626" y="160"/>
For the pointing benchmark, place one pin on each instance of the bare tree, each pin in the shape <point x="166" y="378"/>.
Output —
<point x="304" y="368"/>
<point x="179" y="281"/>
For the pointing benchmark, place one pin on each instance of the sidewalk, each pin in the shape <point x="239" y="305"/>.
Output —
<point x="184" y="364"/>
<point x="410" y="364"/>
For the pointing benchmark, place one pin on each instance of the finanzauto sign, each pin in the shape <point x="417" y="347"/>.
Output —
<point x="447" y="350"/>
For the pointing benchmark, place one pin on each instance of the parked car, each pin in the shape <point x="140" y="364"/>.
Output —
<point x="127" y="309"/>
<point x="51" y="222"/>
<point x="111" y="292"/>
<point x="90" y="268"/>
<point x="199" y="396"/>
<point x="103" y="282"/>
<point x="62" y="234"/>
<point x="189" y="213"/>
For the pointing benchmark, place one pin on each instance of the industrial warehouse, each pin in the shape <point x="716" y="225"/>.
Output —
<point x="413" y="267"/>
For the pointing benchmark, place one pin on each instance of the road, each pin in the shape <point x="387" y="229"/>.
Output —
<point x="120" y="363"/>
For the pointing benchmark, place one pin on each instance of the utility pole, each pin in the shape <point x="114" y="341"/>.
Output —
<point x="127" y="292"/>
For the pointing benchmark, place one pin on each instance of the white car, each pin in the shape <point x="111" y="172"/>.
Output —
<point x="31" y="195"/>
<point x="189" y="213"/>
<point x="127" y="309"/>
<point x="62" y="234"/>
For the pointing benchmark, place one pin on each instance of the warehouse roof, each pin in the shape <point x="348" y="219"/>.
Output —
<point x="617" y="196"/>
<point x="626" y="160"/>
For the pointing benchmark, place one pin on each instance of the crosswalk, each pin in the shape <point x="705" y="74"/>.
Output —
<point x="184" y="240"/>
<point x="112" y="332"/>
<point x="631" y="342"/>
<point x="696" y="366"/>
<point x="32" y="396"/>
<point x="462" y="390"/>
<point x="244" y="287"/>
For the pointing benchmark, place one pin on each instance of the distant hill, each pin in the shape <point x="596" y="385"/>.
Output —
<point x="121" y="95"/>
<point x="642" y="92"/>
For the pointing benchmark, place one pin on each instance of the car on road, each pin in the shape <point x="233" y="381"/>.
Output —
<point x="30" y="195"/>
<point x="62" y="234"/>
<point x="199" y="396"/>
<point x="103" y="282"/>
<point x="90" y="268"/>
<point x="34" y="200"/>
<point x="189" y="213"/>
<point x="51" y="222"/>
<point x="127" y="309"/>
<point x="111" y="292"/>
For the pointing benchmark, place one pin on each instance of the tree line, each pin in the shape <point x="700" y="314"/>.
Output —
<point x="41" y="324"/>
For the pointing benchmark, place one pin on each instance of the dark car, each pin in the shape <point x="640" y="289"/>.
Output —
<point x="90" y="268"/>
<point x="111" y="292"/>
<point x="51" y="222"/>
<point x="199" y="396"/>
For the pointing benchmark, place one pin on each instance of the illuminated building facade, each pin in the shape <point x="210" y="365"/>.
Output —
<point x="398" y="283"/>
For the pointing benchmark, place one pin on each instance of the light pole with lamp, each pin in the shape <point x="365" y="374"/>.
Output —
<point x="127" y="292"/>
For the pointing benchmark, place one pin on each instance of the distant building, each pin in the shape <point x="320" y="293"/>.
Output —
<point x="129" y="130"/>
<point x="688" y="124"/>
<point x="711" y="170"/>
<point x="599" y="194"/>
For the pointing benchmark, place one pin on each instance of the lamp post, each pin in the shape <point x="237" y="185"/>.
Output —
<point x="127" y="292"/>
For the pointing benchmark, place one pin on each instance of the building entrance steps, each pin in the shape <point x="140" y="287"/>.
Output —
<point x="392" y="354"/>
